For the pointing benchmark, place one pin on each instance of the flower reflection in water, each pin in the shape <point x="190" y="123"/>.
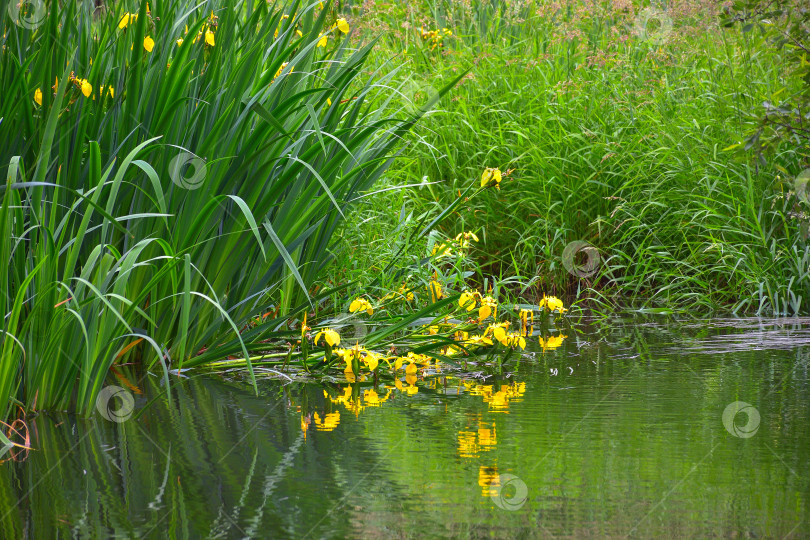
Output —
<point x="471" y="443"/>
<point x="498" y="400"/>
<point x="488" y="479"/>
<point x="553" y="342"/>
<point x="329" y="422"/>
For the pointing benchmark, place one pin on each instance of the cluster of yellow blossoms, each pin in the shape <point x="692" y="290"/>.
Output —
<point x="469" y="300"/>
<point x="359" y="359"/>
<point x="354" y="356"/>
<point x="130" y="18"/>
<point x="435" y="38"/>
<point x="552" y="303"/>
<point x="341" y="24"/>
<point x="361" y="304"/>
<point x="83" y="85"/>
<point x="488" y="305"/>
<point x="206" y="33"/>
<point x="461" y="242"/>
<point x="404" y="293"/>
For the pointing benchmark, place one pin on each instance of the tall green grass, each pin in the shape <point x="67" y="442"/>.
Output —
<point x="111" y="249"/>
<point x="615" y="140"/>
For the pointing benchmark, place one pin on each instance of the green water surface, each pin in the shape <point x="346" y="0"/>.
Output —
<point x="617" y="432"/>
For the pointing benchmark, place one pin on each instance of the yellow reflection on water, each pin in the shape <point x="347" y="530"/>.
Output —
<point x="498" y="400"/>
<point x="487" y="436"/>
<point x="329" y="422"/>
<point x="471" y="443"/>
<point x="488" y="480"/>
<point x="552" y="342"/>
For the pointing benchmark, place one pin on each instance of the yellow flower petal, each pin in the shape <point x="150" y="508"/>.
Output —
<point x="38" y="96"/>
<point x="342" y="25"/>
<point x="484" y="312"/>
<point x="467" y="301"/>
<point x="87" y="88"/>
<point x="360" y="304"/>
<point x="435" y="289"/>
<point x="491" y="177"/>
<point x="332" y="338"/>
<point x="148" y="43"/>
<point x="209" y="37"/>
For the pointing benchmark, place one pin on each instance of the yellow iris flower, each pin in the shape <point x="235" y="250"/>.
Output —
<point x="86" y="87"/>
<point x="101" y="92"/>
<point x="498" y="331"/>
<point x="38" y="96"/>
<point x="435" y="289"/>
<point x="127" y="19"/>
<point x="526" y="315"/>
<point x="479" y="340"/>
<point x="463" y="239"/>
<point x="467" y="300"/>
<point x="514" y="339"/>
<point x="343" y="25"/>
<point x="491" y="177"/>
<point x="148" y="43"/>
<point x="552" y="303"/>
<point x="402" y="294"/>
<point x="442" y="250"/>
<point x="372" y="360"/>
<point x="411" y="388"/>
<point x="361" y="304"/>
<point x="305" y="329"/>
<point x="331" y="337"/>
<point x="489" y="306"/>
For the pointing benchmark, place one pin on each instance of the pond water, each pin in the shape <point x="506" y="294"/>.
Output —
<point x="624" y="428"/>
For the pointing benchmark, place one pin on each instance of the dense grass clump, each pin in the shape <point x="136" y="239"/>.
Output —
<point x="617" y="134"/>
<point x="175" y="174"/>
